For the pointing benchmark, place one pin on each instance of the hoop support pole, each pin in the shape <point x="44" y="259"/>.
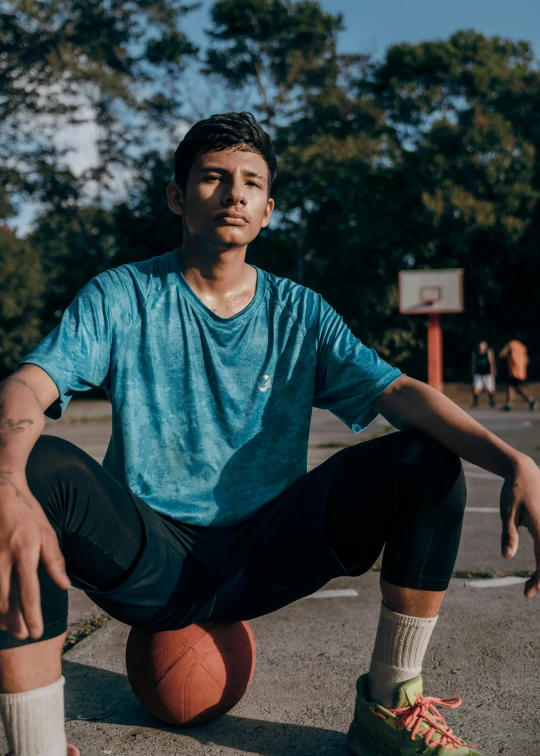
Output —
<point x="435" y="351"/>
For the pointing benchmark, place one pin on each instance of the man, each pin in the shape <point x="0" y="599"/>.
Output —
<point x="517" y="358"/>
<point x="203" y="506"/>
<point x="484" y="372"/>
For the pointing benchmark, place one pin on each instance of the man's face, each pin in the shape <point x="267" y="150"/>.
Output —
<point x="225" y="203"/>
<point x="483" y="346"/>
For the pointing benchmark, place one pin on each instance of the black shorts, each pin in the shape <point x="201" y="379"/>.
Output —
<point x="404" y="492"/>
<point x="515" y="382"/>
<point x="187" y="573"/>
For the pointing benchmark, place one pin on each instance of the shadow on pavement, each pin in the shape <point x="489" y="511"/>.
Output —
<point x="98" y="695"/>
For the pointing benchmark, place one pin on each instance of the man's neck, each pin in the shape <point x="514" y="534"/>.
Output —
<point x="225" y="283"/>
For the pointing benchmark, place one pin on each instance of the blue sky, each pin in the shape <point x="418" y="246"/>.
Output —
<point x="373" y="25"/>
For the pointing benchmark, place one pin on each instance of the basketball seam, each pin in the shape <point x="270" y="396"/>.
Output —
<point x="174" y="661"/>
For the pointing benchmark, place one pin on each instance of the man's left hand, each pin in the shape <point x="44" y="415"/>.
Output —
<point x="520" y="505"/>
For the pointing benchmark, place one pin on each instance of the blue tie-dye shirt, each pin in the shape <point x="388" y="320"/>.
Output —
<point x="210" y="415"/>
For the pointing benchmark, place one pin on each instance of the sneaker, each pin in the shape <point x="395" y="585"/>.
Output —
<point x="413" y="726"/>
<point x="506" y="408"/>
<point x="533" y="403"/>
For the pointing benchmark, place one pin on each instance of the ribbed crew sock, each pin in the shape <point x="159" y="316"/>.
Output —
<point x="400" y="646"/>
<point x="34" y="720"/>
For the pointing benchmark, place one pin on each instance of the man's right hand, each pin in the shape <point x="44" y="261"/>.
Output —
<point x="26" y="536"/>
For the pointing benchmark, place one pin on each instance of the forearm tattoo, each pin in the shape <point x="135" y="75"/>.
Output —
<point x="24" y="383"/>
<point x="9" y="427"/>
<point x="5" y="481"/>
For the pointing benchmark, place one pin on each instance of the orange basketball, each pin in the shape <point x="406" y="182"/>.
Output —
<point x="191" y="676"/>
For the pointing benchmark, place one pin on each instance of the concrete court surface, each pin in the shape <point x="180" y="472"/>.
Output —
<point x="485" y="649"/>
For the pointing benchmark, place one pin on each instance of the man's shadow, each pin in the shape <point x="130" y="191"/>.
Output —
<point x="98" y="695"/>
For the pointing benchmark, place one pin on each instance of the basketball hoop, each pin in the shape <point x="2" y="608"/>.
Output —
<point x="432" y="292"/>
<point x="429" y="295"/>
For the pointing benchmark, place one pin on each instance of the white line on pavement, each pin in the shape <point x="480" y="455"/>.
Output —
<point x="334" y="593"/>
<point x="483" y="510"/>
<point x="495" y="582"/>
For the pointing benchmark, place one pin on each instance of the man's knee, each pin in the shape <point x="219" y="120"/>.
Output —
<point x="55" y="469"/>
<point x="53" y="458"/>
<point x="437" y="470"/>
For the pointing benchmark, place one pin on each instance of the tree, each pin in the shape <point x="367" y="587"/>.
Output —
<point x="22" y="296"/>
<point x="461" y="111"/>
<point x="69" y="62"/>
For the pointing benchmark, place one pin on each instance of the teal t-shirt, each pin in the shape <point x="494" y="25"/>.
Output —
<point x="210" y="415"/>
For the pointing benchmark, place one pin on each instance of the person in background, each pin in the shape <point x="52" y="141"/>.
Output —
<point x="517" y="357"/>
<point x="484" y="371"/>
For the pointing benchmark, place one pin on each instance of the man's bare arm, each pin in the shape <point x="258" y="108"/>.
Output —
<point x="492" y="362"/>
<point x="24" y="540"/>
<point x="410" y="404"/>
<point x="24" y="397"/>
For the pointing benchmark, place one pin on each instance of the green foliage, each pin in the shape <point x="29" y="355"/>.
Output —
<point x="22" y="296"/>
<point x="276" y="46"/>
<point x="66" y="62"/>
<point x="427" y="158"/>
<point x="75" y="244"/>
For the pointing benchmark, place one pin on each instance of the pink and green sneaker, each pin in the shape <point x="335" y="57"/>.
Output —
<point x="413" y="726"/>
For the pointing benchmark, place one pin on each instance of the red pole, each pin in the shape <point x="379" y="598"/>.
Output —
<point x="435" y="351"/>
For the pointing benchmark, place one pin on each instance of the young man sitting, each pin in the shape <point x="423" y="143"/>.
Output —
<point x="203" y="506"/>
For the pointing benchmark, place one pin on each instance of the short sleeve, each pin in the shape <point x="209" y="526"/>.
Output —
<point x="350" y="375"/>
<point x="77" y="353"/>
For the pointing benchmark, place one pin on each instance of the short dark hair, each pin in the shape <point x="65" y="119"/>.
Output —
<point x="221" y="132"/>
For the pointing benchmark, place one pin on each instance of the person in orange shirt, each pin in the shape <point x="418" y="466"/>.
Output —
<point x="517" y="357"/>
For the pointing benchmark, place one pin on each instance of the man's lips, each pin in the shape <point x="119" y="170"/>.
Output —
<point x="232" y="220"/>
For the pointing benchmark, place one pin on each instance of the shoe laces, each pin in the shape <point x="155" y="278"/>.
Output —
<point x="423" y="719"/>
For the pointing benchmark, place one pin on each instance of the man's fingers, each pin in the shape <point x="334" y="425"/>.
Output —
<point x="510" y="537"/>
<point x="5" y="585"/>
<point x="532" y="586"/>
<point x="29" y="592"/>
<point x="15" y="623"/>
<point x="54" y="562"/>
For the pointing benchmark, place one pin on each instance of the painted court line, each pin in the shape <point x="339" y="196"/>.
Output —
<point x="495" y="582"/>
<point x="483" y="510"/>
<point x="334" y="593"/>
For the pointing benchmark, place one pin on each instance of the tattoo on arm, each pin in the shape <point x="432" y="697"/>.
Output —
<point x="5" y="481"/>
<point x="24" y="383"/>
<point x="11" y="427"/>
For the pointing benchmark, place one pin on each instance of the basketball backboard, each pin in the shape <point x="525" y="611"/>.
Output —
<point x="430" y="291"/>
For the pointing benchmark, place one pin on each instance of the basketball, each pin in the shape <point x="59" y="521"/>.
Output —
<point x="193" y="675"/>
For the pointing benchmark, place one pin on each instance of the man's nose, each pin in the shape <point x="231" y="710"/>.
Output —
<point x="236" y="192"/>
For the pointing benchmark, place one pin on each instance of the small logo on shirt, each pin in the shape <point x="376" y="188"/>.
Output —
<point x="264" y="383"/>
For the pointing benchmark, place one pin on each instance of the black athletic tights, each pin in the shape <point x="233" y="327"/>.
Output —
<point x="403" y="491"/>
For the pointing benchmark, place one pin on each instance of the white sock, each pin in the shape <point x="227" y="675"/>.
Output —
<point x="400" y="646"/>
<point x="34" y="720"/>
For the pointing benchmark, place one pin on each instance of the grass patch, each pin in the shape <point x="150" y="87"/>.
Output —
<point x="487" y="575"/>
<point x="88" y="626"/>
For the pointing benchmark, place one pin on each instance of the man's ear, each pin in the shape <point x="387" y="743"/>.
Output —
<point x="268" y="212"/>
<point x="175" y="197"/>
